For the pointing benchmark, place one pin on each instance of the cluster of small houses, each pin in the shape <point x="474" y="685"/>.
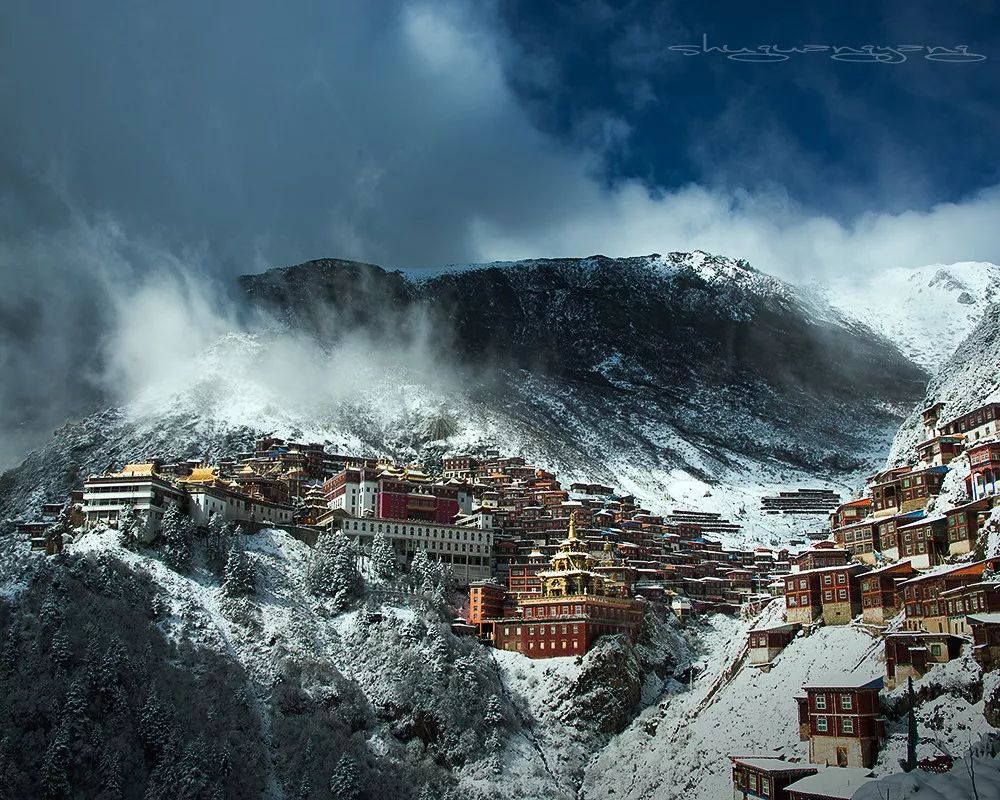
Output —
<point x="551" y="569"/>
<point x="907" y="573"/>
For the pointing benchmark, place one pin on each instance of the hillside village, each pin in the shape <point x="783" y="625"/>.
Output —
<point x="548" y="570"/>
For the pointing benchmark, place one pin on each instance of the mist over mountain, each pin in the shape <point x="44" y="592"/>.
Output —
<point x="672" y="376"/>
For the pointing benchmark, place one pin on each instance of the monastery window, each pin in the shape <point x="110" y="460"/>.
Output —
<point x="827" y="580"/>
<point x="841" y="578"/>
<point x="802" y="583"/>
<point x="765" y="786"/>
<point x="791" y="600"/>
<point x="821" y="724"/>
<point x="842" y="594"/>
<point x="847" y="725"/>
<point x="821" y="701"/>
<point x="846" y="702"/>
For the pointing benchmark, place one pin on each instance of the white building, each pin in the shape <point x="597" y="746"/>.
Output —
<point x="139" y="486"/>
<point x="465" y="550"/>
<point x="205" y="500"/>
<point x="354" y="491"/>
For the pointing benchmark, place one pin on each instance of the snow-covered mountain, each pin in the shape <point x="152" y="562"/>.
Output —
<point x="926" y="311"/>
<point x="688" y="379"/>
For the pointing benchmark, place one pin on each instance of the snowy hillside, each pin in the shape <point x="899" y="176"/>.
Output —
<point x="288" y="684"/>
<point x="966" y="380"/>
<point x="927" y="311"/>
<point x="681" y="747"/>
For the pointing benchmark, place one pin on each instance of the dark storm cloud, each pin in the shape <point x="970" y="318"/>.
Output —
<point x="147" y="139"/>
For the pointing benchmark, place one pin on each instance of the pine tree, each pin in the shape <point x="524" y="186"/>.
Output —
<point x="129" y="528"/>
<point x="419" y="570"/>
<point x="345" y="783"/>
<point x="62" y="654"/>
<point x="347" y="580"/>
<point x="240" y="576"/>
<point x="191" y="776"/>
<point x="154" y="726"/>
<point x="319" y="579"/>
<point x="215" y="543"/>
<point x="111" y="776"/>
<point x="74" y="710"/>
<point x="427" y="793"/>
<point x="55" y="765"/>
<point x="910" y="763"/>
<point x="176" y="534"/>
<point x="384" y="558"/>
<point x="494" y="712"/>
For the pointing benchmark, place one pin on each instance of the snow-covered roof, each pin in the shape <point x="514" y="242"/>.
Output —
<point x="841" y="782"/>
<point x="775" y="627"/>
<point x="774" y="764"/>
<point x="894" y="565"/>
<point x="845" y="680"/>
<point x="985" y="619"/>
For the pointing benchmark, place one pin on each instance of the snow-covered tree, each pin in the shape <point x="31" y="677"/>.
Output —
<point x="345" y="783"/>
<point x="62" y="654"/>
<point x="176" y="532"/>
<point x="383" y="558"/>
<point x="427" y="793"/>
<point x="239" y="576"/>
<point x="111" y="776"/>
<point x="419" y="569"/>
<point x="192" y="778"/>
<point x="215" y="543"/>
<point x="334" y="572"/>
<point x="55" y="765"/>
<point x="74" y="711"/>
<point x="129" y="528"/>
<point x="155" y="726"/>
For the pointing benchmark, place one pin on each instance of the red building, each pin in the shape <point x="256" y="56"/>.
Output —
<point x="909" y="654"/>
<point x="975" y="598"/>
<point x="555" y="628"/>
<point x="964" y="523"/>
<point x="840" y="719"/>
<point x="404" y="500"/>
<point x="922" y="603"/>
<point x="984" y="464"/>
<point x="766" y="777"/>
<point x="850" y="513"/>
<point x="880" y="598"/>
<point x="924" y="542"/>
<point x="577" y="606"/>
<point x="522" y="579"/>
<point x="986" y="639"/>
<point x="975" y="424"/>
<point x="486" y="601"/>
<point x="840" y="596"/>
<point x="822" y="554"/>
<point x="802" y="597"/>
<point x="766" y="643"/>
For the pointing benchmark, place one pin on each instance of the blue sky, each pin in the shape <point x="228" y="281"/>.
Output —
<point x="837" y="136"/>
